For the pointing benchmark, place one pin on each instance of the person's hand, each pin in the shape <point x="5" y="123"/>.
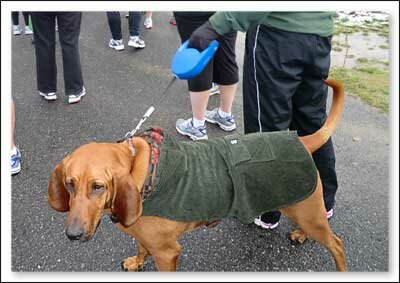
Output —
<point x="202" y="36"/>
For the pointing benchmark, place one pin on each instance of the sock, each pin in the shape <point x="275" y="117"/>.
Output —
<point x="14" y="150"/>
<point x="223" y="114"/>
<point x="198" y="123"/>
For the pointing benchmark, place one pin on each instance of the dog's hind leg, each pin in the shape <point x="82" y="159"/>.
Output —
<point x="310" y="216"/>
<point x="135" y="263"/>
<point x="166" y="259"/>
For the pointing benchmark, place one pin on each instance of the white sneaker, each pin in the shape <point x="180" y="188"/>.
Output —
<point x="116" y="44"/>
<point x="48" y="96"/>
<point x="76" y="97"/>
<point x="329" y="214"/>
<point x="148" y="23"/>
<point x="28" y="30"/>
<point x="214" y="89"/>
<point x="136" y="42"/>
<point x="17" y="30"/>
<point x="262" y="224"/>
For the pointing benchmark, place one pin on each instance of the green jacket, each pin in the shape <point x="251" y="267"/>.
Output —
<point x="320" y="23"/>
<point x="238" y="175"/>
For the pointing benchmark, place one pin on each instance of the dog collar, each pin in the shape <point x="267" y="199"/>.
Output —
<point x="154" y="136"/>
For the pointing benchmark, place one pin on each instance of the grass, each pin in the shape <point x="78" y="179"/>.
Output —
<point x="368" y="83"/>
<point x="383" y="46"/>
<point x="362" y="60"/>
<point x="337" y="48"/>
<point x="381" y="27"/>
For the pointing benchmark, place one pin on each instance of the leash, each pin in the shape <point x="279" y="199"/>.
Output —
<point x="187" y="63"/>
<point x="148" y="113"/>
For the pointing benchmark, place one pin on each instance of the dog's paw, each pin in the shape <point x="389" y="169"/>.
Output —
<point x="298" y="236"/>
<point x="132" y="264"/>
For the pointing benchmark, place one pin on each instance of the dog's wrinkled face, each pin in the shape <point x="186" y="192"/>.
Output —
<point x="94" y="177"/>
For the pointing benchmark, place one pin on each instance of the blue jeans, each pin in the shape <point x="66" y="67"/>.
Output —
<point x="114" y="21"/>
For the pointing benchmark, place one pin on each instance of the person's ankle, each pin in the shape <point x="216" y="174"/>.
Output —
<point x="198" y="123"/>
<point x="223" y="114"/>
<point x="13" y="150"/>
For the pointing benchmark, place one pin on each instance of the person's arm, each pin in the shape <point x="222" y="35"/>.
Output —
<point x="224" y="22"/>
<point x="221" y="23"/>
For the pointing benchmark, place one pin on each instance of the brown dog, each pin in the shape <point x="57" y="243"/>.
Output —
<point x="107" y="177"/>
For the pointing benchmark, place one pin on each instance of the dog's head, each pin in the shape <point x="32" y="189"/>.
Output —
<point x="95" y="177"/>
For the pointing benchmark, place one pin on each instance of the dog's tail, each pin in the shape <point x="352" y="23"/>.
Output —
<point x="316" y="140"/>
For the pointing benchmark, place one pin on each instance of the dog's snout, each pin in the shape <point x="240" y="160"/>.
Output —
<point x="74" y="232"/>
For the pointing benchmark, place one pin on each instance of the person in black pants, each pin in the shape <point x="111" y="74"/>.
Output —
<point x="15" y="20"/>
<point x="293" y="95"/>
<point x="114" y="22"/>
<point x="69" y="26"/>
<point x="287" y="57"/>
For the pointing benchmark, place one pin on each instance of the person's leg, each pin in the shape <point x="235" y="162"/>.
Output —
<point x="227" y="96"/>
<point x="134" y="30"/>
<point x="309" y="114"/>
<point x="134" y="23"/>
<point x="148" y="21"/>
<point x="69" y="25"/>
<point x="307" y="119"/>
<point x="26" y="18"/>
<point x="226" y="75"/>
<point x="198" y="89"/>
<point x="15" y="18"/>
<point x="12" y="123"/>
<point x="15" y="153"/>
<point x="199" y="101"/>
<point x="46" y="68"/>
<point x="114" y="22"/>
<point x="268" y="87"/>
<point x="27" y="28"/>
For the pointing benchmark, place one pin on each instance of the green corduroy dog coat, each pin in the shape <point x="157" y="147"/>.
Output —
<point x="238" y="175"/>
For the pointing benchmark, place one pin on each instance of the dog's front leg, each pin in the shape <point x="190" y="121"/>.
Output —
<point x="135" y="263"/>
<point x="167" y="258"/>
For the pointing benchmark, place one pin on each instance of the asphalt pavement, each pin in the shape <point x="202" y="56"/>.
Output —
<point x="120" y="87"/>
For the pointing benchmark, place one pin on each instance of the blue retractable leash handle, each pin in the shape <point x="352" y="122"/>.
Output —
<point x="186" y="64"/>
<point x="189" y="62"/>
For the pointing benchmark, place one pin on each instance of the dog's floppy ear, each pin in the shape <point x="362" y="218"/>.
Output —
<point x="58" y="195"/>
<point x="127" y="206"/>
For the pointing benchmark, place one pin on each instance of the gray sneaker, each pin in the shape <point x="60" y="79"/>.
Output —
<point x="227" y="124"/>
<point x="48" y="96"/>
<point x="185" y="127"/>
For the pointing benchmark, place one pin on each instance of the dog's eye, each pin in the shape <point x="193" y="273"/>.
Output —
<point x="70" y="185"/>
<point x="97" y="187"/>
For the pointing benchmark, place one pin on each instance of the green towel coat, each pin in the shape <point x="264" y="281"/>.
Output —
<point x="238" y="175"/>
